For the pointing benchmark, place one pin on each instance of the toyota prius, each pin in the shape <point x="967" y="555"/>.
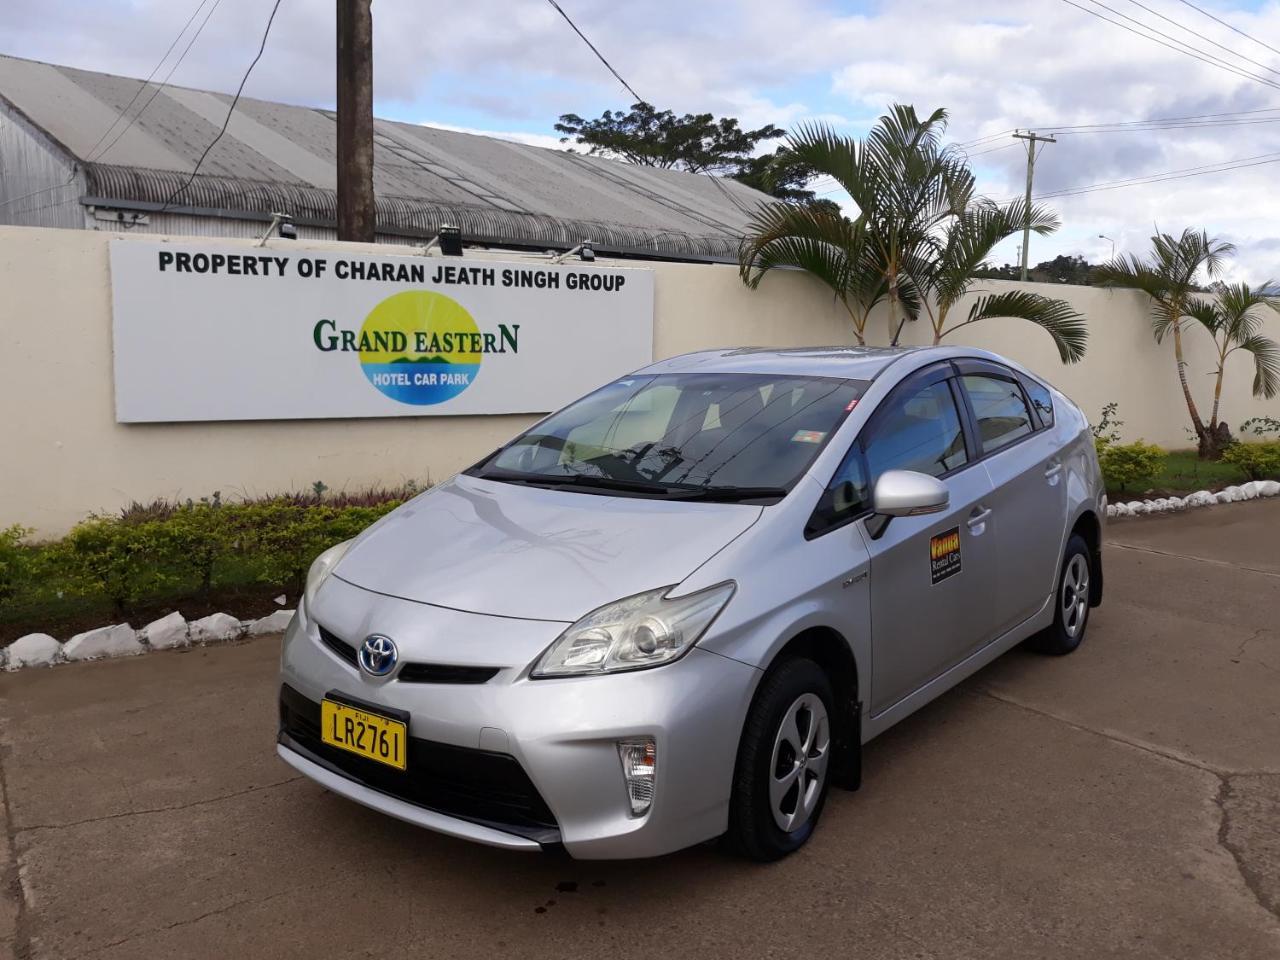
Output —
<point x="675" y="610"/>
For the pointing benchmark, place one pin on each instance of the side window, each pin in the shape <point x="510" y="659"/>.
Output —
<point x="1041" y="399"/>
<point x="999" y="408"/>
<point x="848" y="495"/>
<point x="916" y="430"/>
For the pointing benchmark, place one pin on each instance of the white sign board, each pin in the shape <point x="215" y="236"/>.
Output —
<point x="204" y="331"/>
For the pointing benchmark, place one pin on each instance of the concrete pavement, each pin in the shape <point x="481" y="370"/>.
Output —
<point x="1123" y="801"/>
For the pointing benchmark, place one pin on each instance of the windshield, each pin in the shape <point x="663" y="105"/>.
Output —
<point x="727" y="436"/>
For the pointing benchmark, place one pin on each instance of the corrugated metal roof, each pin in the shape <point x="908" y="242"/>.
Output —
<point x="280" y="157"/>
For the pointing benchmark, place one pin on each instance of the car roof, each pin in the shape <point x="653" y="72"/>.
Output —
<point x="852" y="363"/>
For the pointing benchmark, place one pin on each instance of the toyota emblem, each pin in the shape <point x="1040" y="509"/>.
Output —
<point x="378" y="655"/>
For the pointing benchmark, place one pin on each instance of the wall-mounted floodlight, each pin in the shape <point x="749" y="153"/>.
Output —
<point x="283" y="223"/>
<point x="585" y="250"/>
<point x="450" y="238"/>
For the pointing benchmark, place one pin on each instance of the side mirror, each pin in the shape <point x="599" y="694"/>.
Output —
<point x="905" y="493"/>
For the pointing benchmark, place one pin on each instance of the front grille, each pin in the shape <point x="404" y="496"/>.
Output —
<point x="474" y="785"/>
<point x="338" y="646"/>
<point x="413" y="672"/>
<point x="444" y="673"/>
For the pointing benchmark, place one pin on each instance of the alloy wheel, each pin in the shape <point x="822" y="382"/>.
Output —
<point x="799" y="762"/>
<point x="1075" y="595"/>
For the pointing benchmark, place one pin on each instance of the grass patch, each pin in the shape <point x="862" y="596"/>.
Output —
<point x="1185" y="472"/>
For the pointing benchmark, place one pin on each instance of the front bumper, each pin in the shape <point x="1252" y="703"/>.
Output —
<point x="561" y="734"/>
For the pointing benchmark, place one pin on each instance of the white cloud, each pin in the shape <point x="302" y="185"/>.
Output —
<point x="511" y="66"/>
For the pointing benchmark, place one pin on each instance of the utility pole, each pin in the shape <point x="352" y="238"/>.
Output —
<point x="355" y="120"/>
<point x="1032" y="138"/>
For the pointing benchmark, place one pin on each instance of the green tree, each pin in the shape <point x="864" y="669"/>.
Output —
<point x="782" y="175"/>
<point x="1170" y="280"/>
<point x="1234" y="324"/>
<point x="919" y="236"/>
<point x="696" y="142"/>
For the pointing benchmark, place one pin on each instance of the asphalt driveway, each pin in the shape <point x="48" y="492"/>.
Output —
<point x="1124" y="801"/>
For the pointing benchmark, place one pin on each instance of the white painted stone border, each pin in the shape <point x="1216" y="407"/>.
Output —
<point x="121" y="640"/>
<point x="1252" y="490"/>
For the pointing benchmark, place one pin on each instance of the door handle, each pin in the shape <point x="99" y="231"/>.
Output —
<point x="978" y="518"/>
<point x="1053" y="469"/>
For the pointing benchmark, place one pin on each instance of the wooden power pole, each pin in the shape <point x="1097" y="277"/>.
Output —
<point x="355" y="120"/>
<point x="1031" y="137"/>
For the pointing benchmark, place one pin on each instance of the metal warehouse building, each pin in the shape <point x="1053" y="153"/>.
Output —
<point x="71" y="157"/>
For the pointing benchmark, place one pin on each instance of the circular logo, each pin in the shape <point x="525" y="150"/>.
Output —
<point x="420" y="347"/>
<point x="378" y="655"/>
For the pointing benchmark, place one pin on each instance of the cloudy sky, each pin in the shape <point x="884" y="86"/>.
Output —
<point x="512" y="66"/>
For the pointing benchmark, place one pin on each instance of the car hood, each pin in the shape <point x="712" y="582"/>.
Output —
<point x="516" y="551"/>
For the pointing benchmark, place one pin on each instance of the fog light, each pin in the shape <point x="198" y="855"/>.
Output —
<point x="639" y="764"/>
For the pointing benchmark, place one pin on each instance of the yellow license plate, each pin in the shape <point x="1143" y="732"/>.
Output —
<point x="366" y="734"/>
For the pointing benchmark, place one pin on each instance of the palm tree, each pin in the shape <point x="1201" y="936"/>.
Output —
<point x="1234" y="325"/>
<point x="919" y="231"/>
<point x="966" y="245"/>
<point x="1170" y="280"/>
<point x="824" y="242"/>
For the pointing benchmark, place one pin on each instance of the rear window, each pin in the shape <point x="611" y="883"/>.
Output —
<point x="999" y="408"/>
<point x="1041" y="401"/>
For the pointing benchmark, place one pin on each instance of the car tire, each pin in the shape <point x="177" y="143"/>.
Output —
<point x="1070" y="602"/>
<point x="778" y="795"/>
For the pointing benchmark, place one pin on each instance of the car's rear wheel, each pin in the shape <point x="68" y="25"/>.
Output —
<point x="783" y="769"/>
<point x="1070" y="602"/>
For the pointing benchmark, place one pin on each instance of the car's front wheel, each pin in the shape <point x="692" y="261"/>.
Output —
<point x="1070" y="602"/>
<point x="784" y="759"/>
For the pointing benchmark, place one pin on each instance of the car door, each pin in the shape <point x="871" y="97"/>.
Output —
<point x="932" y="577"/>
<point x="1028" y="497"/>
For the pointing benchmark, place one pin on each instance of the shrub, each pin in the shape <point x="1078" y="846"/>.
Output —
<point x="1258" y="461"/>
<point x="14" y="561"/>
<point x="1126" y="465"/>
<point x="197" y="539"/>
<point x="122" y="561"/>
<point x="167" y="550"/>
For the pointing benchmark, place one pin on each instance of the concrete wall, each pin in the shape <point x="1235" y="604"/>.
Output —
<point x="62" y="455"/>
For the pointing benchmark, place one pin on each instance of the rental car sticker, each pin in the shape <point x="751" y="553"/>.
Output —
<point x="808" y="436"/>
<point x="944" y="555"/>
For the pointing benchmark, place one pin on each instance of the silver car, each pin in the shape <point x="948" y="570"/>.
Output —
<point x="676" y="609"/>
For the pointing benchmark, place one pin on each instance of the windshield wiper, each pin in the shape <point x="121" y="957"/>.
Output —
<point x="728" y="494"/>
<point x="575" y="480"/>
<point x="713" y="494"/>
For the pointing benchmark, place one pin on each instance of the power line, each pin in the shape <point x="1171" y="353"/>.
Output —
<point x="1195" y="116"/>
<point x="742" y="208"/>
<point x="980" y="153"/>
<point x="230" y="110"/>
<point x="1228" y="26"/>
<point x="1170" y="126"/>
<point x="1183" y="173"/>
<point x="1201" y="36"/>
<point x="89" y="155"/>
<point x="981" y="140"/>
<point x="1185" y="47"/>
<point x="1181" y="48"/>
<point x="163" y="83"/>
<point x="156" y="69"/>
<point x="599" y="55"/>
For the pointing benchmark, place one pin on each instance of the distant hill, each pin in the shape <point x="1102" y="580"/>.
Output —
<point x="435" y="359"/>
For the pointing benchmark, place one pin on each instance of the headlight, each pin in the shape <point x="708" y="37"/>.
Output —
<point x="321" y="567"/>
<point x="641" y="631"/>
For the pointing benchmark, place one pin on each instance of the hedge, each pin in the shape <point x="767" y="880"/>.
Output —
<point x="176" y="549"/>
